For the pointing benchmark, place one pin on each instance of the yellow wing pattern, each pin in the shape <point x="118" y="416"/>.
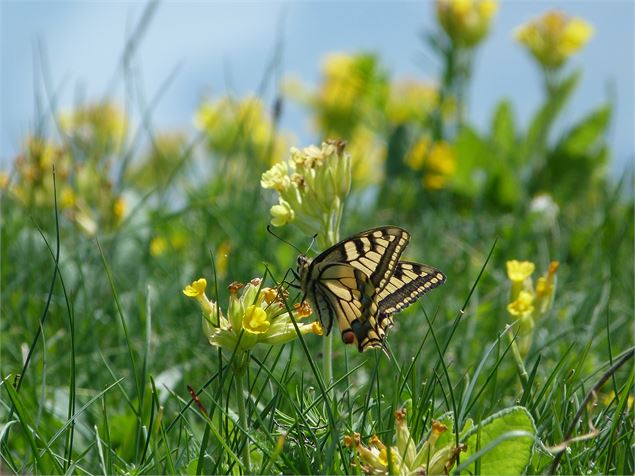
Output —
<point x="361" y="283"/>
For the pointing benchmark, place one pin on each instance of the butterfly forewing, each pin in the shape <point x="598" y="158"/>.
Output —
<point x="374" y="252"/>
<point x="407" y="284"/>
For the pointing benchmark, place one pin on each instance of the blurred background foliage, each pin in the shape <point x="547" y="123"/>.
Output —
<point x="167" y="206"/>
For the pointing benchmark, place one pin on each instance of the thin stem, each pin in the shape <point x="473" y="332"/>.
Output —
<point x="242" y="416"/>
<point x="332" y="237"/>
<point x="520" y="365"/>
<point x="327" y="361"/>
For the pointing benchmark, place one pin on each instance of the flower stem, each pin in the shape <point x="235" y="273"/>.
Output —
<point x="242" y="417"/>
<point x="520" y="365"/>
<point x="332" y="237"/>
<point x="327" y="361"/>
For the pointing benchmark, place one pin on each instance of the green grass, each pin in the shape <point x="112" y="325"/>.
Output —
<point x="105" y="390"/>
<point x="105" y="368"/>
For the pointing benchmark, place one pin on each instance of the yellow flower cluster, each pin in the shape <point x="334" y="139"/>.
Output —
<point x="436" y="161"/>
<point x="240" y="128"/>
<point x="312" y="186"/>
<point x="404" y="456"/>
<point x="552" y="38"/>
<point x="466" y="22"/>
<point x="528" y="303"/>
<point x="255" y="314"/>
<point x="98" y="128"/>
<point x="411" y="101"/>
<point x="83" y="164"/>
<point x="167" y="151"/>
<point x="350" y="102"/>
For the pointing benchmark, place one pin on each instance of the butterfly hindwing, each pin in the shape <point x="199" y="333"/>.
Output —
<point x="345" y="294"/>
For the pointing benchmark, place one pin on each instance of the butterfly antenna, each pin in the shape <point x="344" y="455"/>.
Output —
<point x="311" y="244"/>
<point x="283" y="240"/>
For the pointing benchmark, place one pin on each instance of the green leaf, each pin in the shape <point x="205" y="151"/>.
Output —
<point x="503" y="128"/>
<point x="587" y="133"/>
<point x="538" y="131"/>
<point x="502" y="443"/>
<point x="448" y="437"/>
<point x="474" y="159"/>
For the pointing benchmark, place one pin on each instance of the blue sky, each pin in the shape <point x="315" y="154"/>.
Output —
<point x="216" y="47"/>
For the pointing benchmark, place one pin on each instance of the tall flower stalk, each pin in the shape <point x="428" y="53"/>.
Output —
<point x="312" y="187"/>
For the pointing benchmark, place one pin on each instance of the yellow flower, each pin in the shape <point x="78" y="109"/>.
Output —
<point x="545" y="288"/>
<point x="317" y="328"/>
<point x="523" y="306"/>
<point x="119" y="208"/>
<point x="255" y="315"/>
<point x="103" y="126"/>
<point x="319" y="182"/>
<point x="416" y="156"/>
<point x="276" y="177"/>
<point x="405" y="459"/>
<point x="68" y="199"/>
<point x="518" y="271"/>
<point x="368" y="152"/>
<point x="255" y="320"/>
<point x="466" y="22"/>
<point x="196" y="290"/>
<point x="240" y="128"/>
<point x="552" y="38"/>
<point x="411" y="101"/>
<point x="158" y="246"/>
<point x="608" y="398"/>
<point x="440" y="165"/>
<point x="436" y="160"/>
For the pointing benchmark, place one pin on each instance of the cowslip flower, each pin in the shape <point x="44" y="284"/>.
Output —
<point x="528" y="303"/>
<point x="519" y="273"/>
<point x="466" y="22"/>
<point x="311" y="186"/>
<point x="227" y="119"/>
<point x="436" y="161"/>
<point x="405" y="458"/>
<point x="554" y="37"/>
<point x="255" y="314"/>
<point x="100" y="127"/>
<point x="545" y="288"/>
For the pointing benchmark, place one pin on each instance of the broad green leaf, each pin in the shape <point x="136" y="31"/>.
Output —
<point x="587" y="133"/>
<point x="502" y="443"/>
<point x="474" y="159"/>
<point x="448" y="437"/>
<point x="503" y="128"/>
<point x="540" y="127"/>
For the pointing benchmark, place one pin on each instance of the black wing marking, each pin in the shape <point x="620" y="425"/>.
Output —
<point x="407" y="284"/>
<point x="374" y="252"/>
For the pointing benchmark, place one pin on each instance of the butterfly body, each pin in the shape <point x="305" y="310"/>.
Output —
<point x="361" y="283"/>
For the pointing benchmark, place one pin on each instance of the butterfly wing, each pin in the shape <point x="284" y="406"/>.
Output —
<point x="374" y="252"/>
<point x="345" y="294"/>
<point x="407" y="284"/>
<point x="361" y="283"/>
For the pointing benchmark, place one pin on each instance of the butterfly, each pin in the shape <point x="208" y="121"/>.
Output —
<point x="361" y="283"/>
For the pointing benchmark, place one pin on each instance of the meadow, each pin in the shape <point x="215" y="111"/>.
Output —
<point x="147" y="323"/>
